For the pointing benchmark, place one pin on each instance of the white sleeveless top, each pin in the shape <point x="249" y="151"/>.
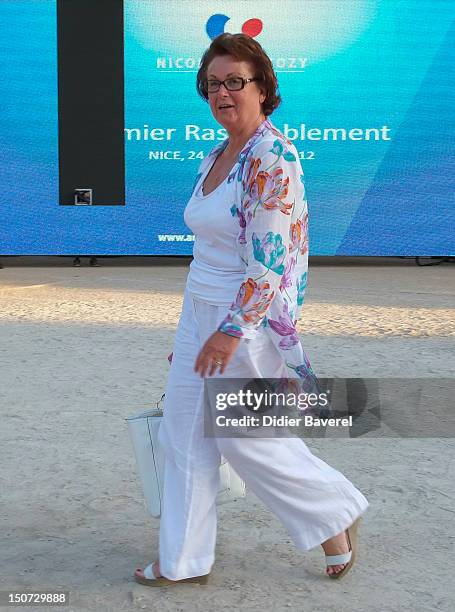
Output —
<point x="217" y="270"/>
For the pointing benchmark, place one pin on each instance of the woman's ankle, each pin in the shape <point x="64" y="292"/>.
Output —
<point x="336" y="545"/>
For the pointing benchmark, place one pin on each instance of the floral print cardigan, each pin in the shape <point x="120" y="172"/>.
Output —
<point x="273" y="244"/>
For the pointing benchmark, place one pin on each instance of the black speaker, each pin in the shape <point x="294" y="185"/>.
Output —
<point x="91" y="102"/>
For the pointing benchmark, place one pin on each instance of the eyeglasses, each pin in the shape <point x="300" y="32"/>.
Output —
<point x="232" y="84"/>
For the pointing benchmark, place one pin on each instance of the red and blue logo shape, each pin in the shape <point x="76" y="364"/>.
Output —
<point x="216" y="23"/>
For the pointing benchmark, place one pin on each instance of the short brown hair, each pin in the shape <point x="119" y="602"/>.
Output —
<point x="242" y="48"/>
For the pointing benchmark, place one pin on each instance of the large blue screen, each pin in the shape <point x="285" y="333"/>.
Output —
<point x="368" y="100"/>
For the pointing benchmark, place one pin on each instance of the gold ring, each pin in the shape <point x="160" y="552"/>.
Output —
<point x="218" y="362"/>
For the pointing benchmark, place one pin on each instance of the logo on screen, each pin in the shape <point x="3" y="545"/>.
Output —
<point x="215" y="26"/>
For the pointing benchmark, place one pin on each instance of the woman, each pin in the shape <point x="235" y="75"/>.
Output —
<point x="241" y="304"/>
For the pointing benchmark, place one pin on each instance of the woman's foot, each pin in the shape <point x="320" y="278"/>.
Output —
<point x="151" y="576"/>
<point x="336" y="546"/>
<point x="155" y="569"/>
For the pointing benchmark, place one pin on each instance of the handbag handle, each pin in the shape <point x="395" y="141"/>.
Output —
<point x="158" y="407"/>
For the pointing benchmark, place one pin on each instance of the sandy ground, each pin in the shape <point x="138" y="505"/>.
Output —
<point x="82" y="348"/>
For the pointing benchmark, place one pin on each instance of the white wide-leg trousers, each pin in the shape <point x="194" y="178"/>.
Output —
<point x="313" y="500"/>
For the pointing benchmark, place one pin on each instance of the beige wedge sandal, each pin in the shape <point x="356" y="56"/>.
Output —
<point x="149" y="578"/>
<point x="349" y="557"/>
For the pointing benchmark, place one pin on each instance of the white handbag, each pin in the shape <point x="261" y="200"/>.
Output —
<point x="150" y="458"/>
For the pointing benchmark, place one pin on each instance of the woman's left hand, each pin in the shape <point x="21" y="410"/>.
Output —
<point x="216" y="353"/>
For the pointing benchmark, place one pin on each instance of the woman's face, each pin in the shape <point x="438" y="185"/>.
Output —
<point x="245" y="104"/>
